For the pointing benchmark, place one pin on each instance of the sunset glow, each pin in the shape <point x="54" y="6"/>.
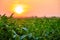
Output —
<point x="39" y="8"/>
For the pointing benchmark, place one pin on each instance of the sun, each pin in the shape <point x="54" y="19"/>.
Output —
<point x="18" y="9"/>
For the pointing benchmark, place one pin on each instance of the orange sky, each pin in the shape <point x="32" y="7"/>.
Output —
<point x="38" y="7"/>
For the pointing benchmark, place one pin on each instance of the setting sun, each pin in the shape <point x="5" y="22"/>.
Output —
<point x="18" y="9"/>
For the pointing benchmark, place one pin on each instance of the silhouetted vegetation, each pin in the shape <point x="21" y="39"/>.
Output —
<point x="33" y="28"/>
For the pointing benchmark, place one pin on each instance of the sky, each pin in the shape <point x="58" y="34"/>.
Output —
<point x="37" y="8"/>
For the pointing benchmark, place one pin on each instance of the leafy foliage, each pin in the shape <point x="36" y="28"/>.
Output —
<point x="29" y="28"/>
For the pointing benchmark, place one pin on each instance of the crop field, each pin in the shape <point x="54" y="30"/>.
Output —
<point x="33" y="28"/>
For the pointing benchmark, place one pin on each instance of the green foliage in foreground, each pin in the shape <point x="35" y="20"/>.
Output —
<point x="29" y="28"/>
